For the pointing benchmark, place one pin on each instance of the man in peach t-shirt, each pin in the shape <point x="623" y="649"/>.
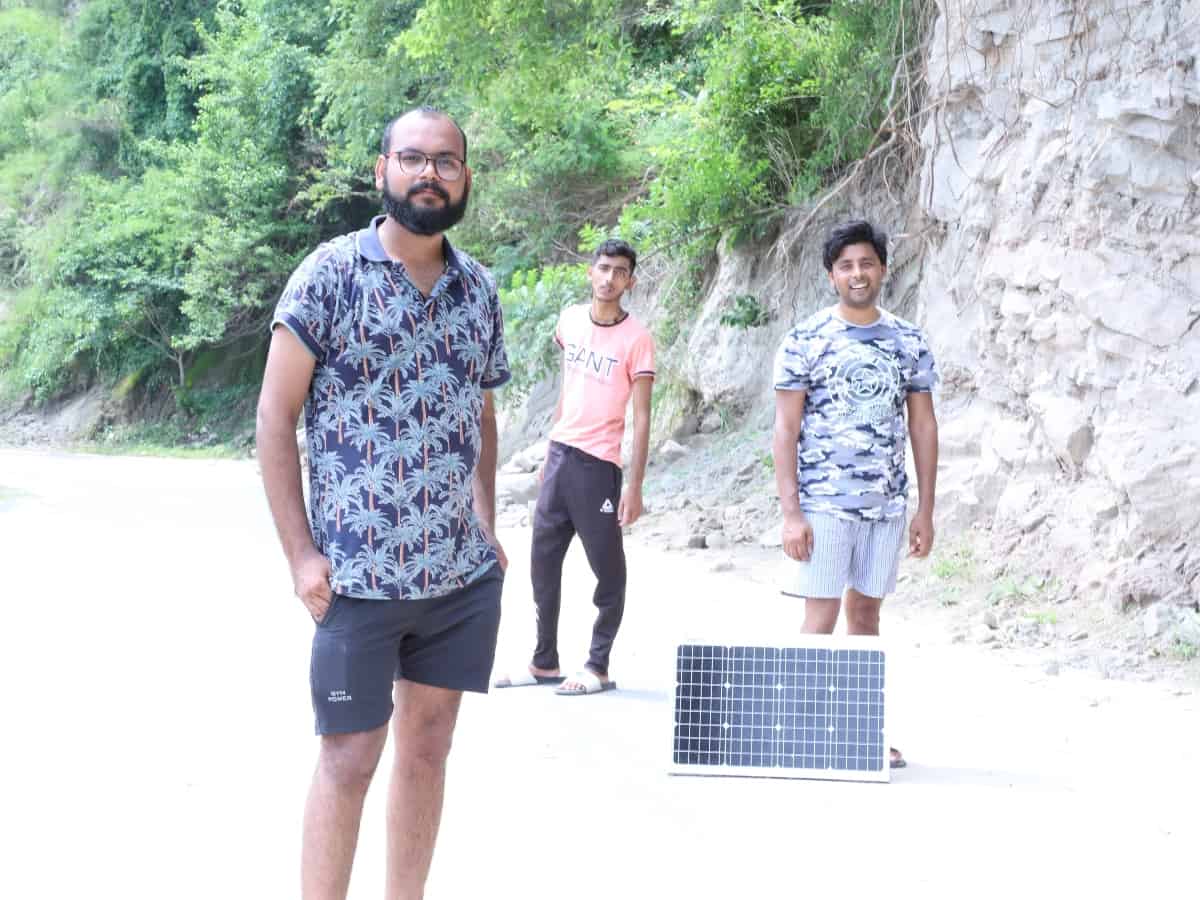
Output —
<point x="608" y="356"/>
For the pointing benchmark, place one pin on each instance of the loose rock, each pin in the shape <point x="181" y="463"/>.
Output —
<point x="749" y="470"/>
<point x="1186" y="627"/>
<point x="772" y="537"/>
<point x="670" y="451"/>
<point x="1103" y="666"/>
<point x="519" y="488"/>
<point x="1032" y="521"/>
<point x="711" y="423"/>
<point x="1156" y="620"/>
<point x="531" y="457"/>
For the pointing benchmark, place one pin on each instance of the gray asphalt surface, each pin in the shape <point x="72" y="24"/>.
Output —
<point x="158" y="736"/>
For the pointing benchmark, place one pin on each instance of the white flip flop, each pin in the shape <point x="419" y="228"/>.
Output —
<point x="591" y="685"/>
<point x="525" y="678"/>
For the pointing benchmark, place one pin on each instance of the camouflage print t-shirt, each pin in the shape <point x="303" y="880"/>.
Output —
<point x="851" y="454"/>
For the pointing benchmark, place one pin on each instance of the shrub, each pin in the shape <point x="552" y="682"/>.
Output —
<point x="531" y="307"/>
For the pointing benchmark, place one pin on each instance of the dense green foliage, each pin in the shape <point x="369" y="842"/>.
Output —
<point x="164" y="166"/>
<point x="745" y="311"/>
<point x="531" y="305"/>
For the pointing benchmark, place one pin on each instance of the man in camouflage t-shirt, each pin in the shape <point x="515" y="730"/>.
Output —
<point x="391" y="341"/>
<point x="843" y="380"/>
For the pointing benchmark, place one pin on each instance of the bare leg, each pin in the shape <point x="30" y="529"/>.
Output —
<point x="821" y="614"/>
<point x="331" y="816"/>
<point x="424" y="727"/>
<point x="862" y="613"/>
<point x="862" y="617"/>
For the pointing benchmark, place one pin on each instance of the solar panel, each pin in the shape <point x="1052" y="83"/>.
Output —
<point x="813" y="711"/>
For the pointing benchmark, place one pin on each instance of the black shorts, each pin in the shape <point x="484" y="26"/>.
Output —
<point x="362" y="646"/>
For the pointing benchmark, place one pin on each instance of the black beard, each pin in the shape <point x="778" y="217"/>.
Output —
<point x="425" y="220"/>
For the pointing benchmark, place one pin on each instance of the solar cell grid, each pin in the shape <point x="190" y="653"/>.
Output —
<point x="780" y="710"/>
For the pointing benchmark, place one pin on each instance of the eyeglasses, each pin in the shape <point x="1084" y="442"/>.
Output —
<point x="413" y="162"/>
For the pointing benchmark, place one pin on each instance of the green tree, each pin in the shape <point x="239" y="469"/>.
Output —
<point x="531" y="307"/>
<point x="130" y="57"/>
<point x="165" y="165"/>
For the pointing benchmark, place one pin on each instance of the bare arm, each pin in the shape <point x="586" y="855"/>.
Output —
<point x="483" y="482"/>
<point x="923" y="433"/>
<point x="630" y="508"/>
<point x="789" y="418"/>
<point x="286" y="381"/>
<point x="558" y="404"/>
<point x="553" y="421"/>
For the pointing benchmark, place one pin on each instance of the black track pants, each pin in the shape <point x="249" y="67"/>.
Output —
<point x="579" y="495"/>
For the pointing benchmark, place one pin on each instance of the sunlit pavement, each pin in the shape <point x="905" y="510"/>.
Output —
<point x="158" y="737"/>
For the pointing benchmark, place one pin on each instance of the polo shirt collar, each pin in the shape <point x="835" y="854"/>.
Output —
<point x="371" y="248"/>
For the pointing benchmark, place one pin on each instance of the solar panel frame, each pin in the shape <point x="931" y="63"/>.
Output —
<point x="811" y="709"/>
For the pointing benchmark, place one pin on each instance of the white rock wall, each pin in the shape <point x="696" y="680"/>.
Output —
<point x="1050" y="246"/>
<point x="1061" y="283"/>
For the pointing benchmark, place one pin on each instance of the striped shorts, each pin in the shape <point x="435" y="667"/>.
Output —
<point x="857" y="554"/>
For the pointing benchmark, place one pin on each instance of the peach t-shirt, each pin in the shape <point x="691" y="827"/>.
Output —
<point x="600" y="364"/>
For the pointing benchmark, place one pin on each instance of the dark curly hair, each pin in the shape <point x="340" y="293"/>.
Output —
<point x="858" y="232"/>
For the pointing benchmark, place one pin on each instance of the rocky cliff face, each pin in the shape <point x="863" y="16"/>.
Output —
<point x="1061" y="281"/>
<point x="1050" y="246"/>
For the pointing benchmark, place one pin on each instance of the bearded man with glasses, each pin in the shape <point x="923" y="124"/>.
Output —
<point x="391" y="342"/>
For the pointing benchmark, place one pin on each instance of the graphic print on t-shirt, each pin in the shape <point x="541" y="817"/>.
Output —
<point x="864" y="385"/>
<point x="599" y="365"/>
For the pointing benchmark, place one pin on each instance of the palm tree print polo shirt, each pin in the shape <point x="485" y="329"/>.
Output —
<point x="393" y="414"/>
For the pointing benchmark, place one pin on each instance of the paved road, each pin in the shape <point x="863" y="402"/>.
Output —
<point x="157" y="736"/>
